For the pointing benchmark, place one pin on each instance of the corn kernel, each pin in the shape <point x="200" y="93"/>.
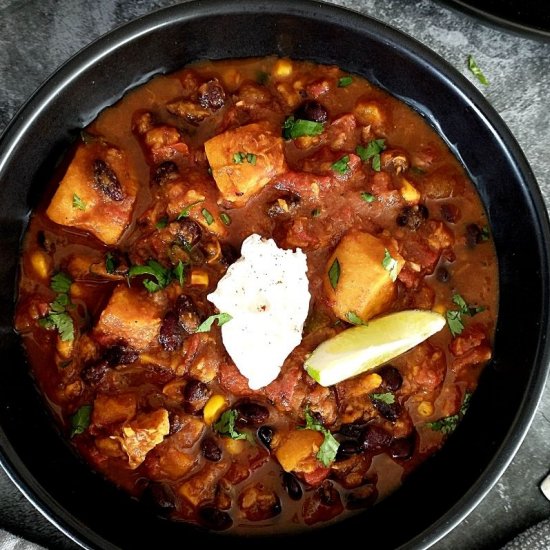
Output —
<point x="41" y="263"/>
<point x="199" y="277"/>
<point x="213" y="408"/>
<point x="425" y="408"/>
<point x="77" y="291"/>
<point x="409" y="192"/>
<point x="282" y="68"/>
<point x="234" y="446"/>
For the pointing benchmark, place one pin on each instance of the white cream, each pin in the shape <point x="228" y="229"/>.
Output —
<point x="266" y="293"/>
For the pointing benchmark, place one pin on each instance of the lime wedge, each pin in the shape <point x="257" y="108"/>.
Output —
<point x="359" y="349"/>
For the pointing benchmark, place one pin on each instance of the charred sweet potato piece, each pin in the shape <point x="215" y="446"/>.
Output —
<point x="97" y="193"/>
<point x="244" y="160"/>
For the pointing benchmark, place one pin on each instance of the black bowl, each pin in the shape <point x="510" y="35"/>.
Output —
<point x="442" y="492"/>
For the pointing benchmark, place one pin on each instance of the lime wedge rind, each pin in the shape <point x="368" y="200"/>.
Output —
<point x="359" y="349"/>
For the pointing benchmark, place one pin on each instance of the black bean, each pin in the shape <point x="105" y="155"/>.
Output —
<point x="106" y="180"/>
<point x="210" y="450"/>
<point x="44" y="242"/>
<point x="311" y="110"/>
<point x="250" y="414"/>
<point x="292" y="486"/>
<point x="214" y="518"/>
<point x="188" y="316"/>
<point x="170" y="335"/>
<point x="165" y="172"/>
<point x="412" y="217"/>
<point x="265" y="435"/>
<point x="375" y="438"/>
<point x="120" y="354"/>
<point x="390" y="411"/>
<point x="442" y="274"/>
<point x="348" y="448"/>
<point x="450" y="213"/>
<point x="187" y="231"/>
<point x="195" y="396"/>
<point x="474" y="235"/>
<point x="229" y="254"/>
<point x="391" y="378"/>
<point x="328" y="495"/>
<point x="159" y="496"/>
<point x="402" y="447"/>
<point x="211" y="95"/>
<point x="352" y="430"/>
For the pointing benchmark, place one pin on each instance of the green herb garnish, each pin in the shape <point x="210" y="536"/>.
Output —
<point x="448" y="424"/>
<point x="344" y="81"/>
<point x="207" y="216"/>
<point x="163" y="222"/>
<point x="179" y="273"/>
<point x="58" y="318"/>
<point x="342" y="165"/>
<point x="78" y="202"/>
<point x="187" y="210"/>
<point x="329" y="447"/>
<point x="61" y="282"/>
<point x="81" y="420"/>
<point x="371" y="151"/>
<point x="109" y="263"/>
<point x="316" y="212"/>
<point x="388" y="398"/>
<point x="354" y="319"/>
<point x="206" y="325"/>
<point x="368" y="197"/>
<point x="334" y="273"/>
<point x="476" y="71"/>
<point x="390" y="264"/>
<point x="454" y="316"/>
<point x="225" y="218"/>
<point x="262" y="77"/>
<point x="294" y="128"/>
<point x="226" y="425"/>
<point x="163" y="275"/>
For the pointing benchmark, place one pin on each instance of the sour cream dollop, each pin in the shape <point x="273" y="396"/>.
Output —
<point x="266" y="293"/>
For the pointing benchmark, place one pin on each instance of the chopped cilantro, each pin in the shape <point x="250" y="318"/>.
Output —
<point x="207" y="216"/>
<point x="206" y="325"/>
<point x="251" y="158"/>
<point x="354" y="319"/>
<point x="371" y="151"/>
<point x="109" y="263"/>
<point x="368" y="197"/>
<point x="60" y="282"/>
<point x="162" y="274"/>
<point x="316" y="212"/>
<point x="179" y="273"/>
<point x="239" y="158"/>
<point x="226" y="425"/>
<point x="476" y="71"/>
<point x="390" y="264"/>
<point x="225" y="218"/>
<point x="62" y="322"/>
<point x="448" y="424"/>
<point x="454" y="316"/>
<point x="329" y="447"/>
<point x="342" y="165"/>
<point x="387" y="397"/>
<point x="262" y="77"/>
<point x="344" y="81"/>
<point x="163" y="222"/>
<point x="294" y="128"/>
<point x="334" y="273"/>
<point x="485" y="233"/>
<point x="186" y="211"/>
<point x="80" y="420"/>
<point x="78" y="202"/>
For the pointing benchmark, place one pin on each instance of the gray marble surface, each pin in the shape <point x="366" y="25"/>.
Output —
<point x="36" y="36"/>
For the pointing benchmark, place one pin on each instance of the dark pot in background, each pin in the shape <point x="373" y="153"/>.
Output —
<point x="445" y="488"/>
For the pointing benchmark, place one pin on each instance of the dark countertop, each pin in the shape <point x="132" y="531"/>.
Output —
<point x="37" y="36"/>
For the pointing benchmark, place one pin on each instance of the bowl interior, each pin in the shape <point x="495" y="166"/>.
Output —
<point x="446" y="487"/>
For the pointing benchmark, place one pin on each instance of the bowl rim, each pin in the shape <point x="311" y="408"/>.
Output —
<point x="113" y="40"/>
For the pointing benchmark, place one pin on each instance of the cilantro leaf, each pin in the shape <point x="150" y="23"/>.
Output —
<point x="187" y="210"/>
<point x="334" y="273"/>
<point x="354" y="319"/>
<point x="294" y="128"/>
<point x="454" y="320"/>
<point x="163" y="275"/>
<point x="329" y="447"/>
<point x="78" y="202"/>
<point x="207" y="216"/>
<point x="390" y="264"/>
<point x="476" y="71"/>
<point x="368" y="197"/>
<point x="61" y="282"/>
<point x="162" y="222"/>
<point x="225" y="218"/>
<point x="344" y="81"/>
<point x="80" y="420"/>
<point x="238" y="158"/>
<point x="448" y="424"/>
<point x="341" y="166"/>
<point x="387" y="397"/>
<point x="179" y="272"/>
<point x="109" y="263"/>
<point x="206" y="325"/>
<point x="372" y="151"/>
<point x="226" y="425"/>
<point x="62" y="322"/>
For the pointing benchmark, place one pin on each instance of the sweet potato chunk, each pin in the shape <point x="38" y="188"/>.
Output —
<point x="297" y="448"/>
<point x="131" y="315"/>
<point x="360" y="274"/>
<point x="109" y="409"/>
<point x="244" y="160"/>
<point x="97" y="193"/>
<point x="143" y="434"/>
